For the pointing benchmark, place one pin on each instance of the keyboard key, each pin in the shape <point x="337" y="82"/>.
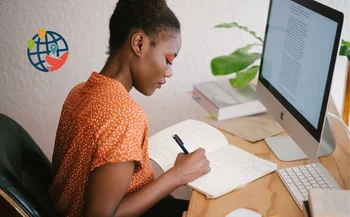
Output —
<point x="282" y="171"/>
<point x="324" y="186"/>
<point x="296" y="170"/>
<point x="288" y="180"/>
<point x="321" y="183"/>
<point x="308" y="166"/>
<point x="303" y="190"/>
<point x="305" y="194"/>
<point x="297" y="183"/>
<point x="289" y="170"/>
<point x="296" y="192"/>
<point x="301" y="186"/>
<point x="304" y="180"/>
<point x="285" y="176"/>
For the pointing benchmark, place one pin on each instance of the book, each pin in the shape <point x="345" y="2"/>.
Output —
<point x="329" y="202"/>
<point x="252" y="128"/>
<point x="231" y="167"/>
<point x="223" y="101"/>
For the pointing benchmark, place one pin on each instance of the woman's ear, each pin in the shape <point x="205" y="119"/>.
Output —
<point x="137" y="42"/>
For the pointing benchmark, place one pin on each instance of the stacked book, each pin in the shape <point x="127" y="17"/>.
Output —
<point x="222" y="101"/>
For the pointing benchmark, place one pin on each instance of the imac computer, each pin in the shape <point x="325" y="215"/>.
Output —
<point x="300" y="48"/>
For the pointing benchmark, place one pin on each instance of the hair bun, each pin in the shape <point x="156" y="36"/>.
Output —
<point x="146" y="8"/>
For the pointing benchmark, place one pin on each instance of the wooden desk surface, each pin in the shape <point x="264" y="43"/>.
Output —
<point x="268" y="195"/>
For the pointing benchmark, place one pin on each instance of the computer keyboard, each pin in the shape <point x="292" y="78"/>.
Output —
<point x="298" y="180"/>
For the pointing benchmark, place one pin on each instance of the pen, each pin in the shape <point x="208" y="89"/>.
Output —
<point x="180" y="143"/>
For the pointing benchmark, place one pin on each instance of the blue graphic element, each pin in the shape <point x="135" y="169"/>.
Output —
<point x="53" y="48"/>
<point x="42" y="49"/>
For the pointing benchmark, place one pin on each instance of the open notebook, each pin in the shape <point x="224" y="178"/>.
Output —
<point x="231" y="167"/>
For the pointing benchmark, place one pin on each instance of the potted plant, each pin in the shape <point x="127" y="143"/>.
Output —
<point x="241" y="61"/>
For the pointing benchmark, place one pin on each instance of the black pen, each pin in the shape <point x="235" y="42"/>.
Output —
<point x="180" y="143"/>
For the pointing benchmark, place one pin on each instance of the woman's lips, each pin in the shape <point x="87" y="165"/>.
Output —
<point x="160" y="84"/>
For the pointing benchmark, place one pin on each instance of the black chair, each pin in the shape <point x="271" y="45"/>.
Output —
<point x="25" y="171"/>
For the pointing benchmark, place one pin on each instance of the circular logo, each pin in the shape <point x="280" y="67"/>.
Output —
<point x="47" y="51"/>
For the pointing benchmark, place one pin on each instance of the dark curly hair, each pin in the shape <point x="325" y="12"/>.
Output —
<point x="152" y="16"/>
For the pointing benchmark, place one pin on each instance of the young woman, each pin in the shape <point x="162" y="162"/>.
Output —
<point x="100" y="163"/>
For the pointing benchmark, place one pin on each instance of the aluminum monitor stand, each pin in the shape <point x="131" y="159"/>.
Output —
<point x="286" y="149"/>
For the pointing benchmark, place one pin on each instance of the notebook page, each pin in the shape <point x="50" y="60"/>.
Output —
<point x="329" y="202"/>
<point x="163" y="149"/>
<point x="231" y="167"/>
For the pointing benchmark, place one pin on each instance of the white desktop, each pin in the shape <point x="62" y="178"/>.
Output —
<point x="300" y="49"/>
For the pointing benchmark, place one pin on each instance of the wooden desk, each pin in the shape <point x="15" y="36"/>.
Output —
<point x="268" y="195"/>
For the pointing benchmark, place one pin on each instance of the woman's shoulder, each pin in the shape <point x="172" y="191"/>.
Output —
<point x="117" y="109"/>
<point x="131" y="110"/>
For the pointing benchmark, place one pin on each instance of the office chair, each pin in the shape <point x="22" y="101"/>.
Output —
<point x="25" y="171"/>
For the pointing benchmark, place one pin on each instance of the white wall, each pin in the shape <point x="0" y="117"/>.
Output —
<point x="34" y="98"/>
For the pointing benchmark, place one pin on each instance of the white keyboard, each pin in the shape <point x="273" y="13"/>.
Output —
<point x="299" y="180"/>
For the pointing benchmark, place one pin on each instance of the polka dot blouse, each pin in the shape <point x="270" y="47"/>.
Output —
<point x="99" y="124"/>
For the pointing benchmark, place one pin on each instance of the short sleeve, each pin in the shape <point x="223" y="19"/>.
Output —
<point x="119" y="141"/>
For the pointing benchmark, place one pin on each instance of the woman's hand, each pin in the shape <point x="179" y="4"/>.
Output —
<point x="191" y="166"/>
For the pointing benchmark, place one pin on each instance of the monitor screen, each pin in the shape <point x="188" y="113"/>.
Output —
<point x="297" y="60"/>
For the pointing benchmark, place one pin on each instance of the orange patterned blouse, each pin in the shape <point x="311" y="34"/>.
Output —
<point x="100" y="123"/>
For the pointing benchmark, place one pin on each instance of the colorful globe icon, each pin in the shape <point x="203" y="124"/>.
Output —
<point x="47" y="51"/>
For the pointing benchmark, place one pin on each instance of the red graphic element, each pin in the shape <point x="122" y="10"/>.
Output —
<point x="56" y="63"/>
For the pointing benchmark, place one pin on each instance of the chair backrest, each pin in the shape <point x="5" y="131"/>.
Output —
<point x="25" y="171"/>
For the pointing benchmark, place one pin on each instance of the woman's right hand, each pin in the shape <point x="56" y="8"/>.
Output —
<point x="189" y="167"/>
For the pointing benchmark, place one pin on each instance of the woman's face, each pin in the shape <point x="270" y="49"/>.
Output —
<point x="154" y="65"/>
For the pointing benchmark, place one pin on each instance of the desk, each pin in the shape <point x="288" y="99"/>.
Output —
<point x="268" y="195"/>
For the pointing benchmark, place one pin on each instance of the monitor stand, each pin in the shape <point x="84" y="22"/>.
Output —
<point x="286" y="149"/>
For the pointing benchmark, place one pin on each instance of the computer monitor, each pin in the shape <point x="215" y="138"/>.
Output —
<point x="300" y="48"/>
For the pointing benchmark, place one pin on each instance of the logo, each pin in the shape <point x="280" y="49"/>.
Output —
<point x="47" y="51"/>
<point x="282" y="115"/>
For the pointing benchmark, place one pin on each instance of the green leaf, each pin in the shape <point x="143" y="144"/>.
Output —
<point x="345" y="49"/>
<point x="244" y="50"/>
<point x="346" y="43"/>
<point x="243" y="78"/>
<point x="237" y="61"/>
<point x="235" y="24"/>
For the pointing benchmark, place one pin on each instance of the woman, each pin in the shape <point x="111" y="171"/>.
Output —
<point x="100" y="163"/>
